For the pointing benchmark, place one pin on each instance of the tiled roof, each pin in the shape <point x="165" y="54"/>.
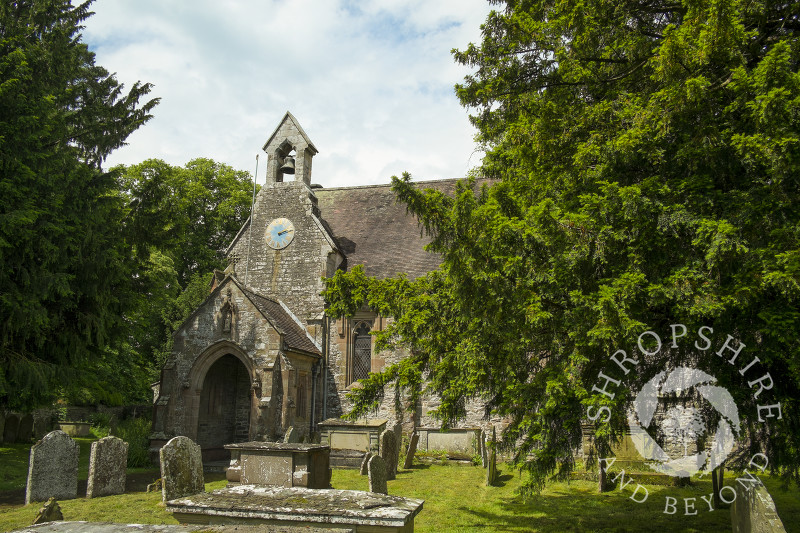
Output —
<point x="293" y="333"/>
<point x="372" y="229"/>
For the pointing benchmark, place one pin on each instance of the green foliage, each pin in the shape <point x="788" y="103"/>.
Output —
<point x="179" y="222"/>
<point x="63" y="270"/>
<point x="188" y="213"/>
<point x="647" y="161"/>
<point x="136" y="432"/>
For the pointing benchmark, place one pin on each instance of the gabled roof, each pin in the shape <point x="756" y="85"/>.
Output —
<point x="290" y="117"/>
<point x="294" y="334"/>
<point x="373" y="230"/>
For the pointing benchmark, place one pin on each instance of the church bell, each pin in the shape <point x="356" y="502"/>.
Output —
<point x="288" y="165"/>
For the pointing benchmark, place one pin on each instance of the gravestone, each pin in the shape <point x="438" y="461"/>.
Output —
<point x="10" y="431"/>
<point x="25" y="430"/>
<point x="291" y="435"/>
<point x="388" y="452"/>
<point x="53" y="469"/>
<point x="365" y="462"/>
<point x="42" y="425"/>
<point x="491" y="469"/>
<point x="484" y="456"/>
<point x="181" y="469"/>
<point x="412" y="450"/>
<point x="51" y="512"/>
<point x="377" y="471"/>
<point x="602" y="484"/>
<point x="315" y="437"/>
<point x="107" y="463"/>
<point x="398" y="435"/>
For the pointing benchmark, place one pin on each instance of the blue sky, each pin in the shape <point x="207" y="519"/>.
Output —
<point x="371" y="82"/>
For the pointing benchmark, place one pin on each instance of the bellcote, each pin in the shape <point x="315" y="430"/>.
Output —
<point x="289" y="139"/>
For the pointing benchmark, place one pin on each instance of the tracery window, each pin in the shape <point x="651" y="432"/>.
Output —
<point x="362" y="351"/>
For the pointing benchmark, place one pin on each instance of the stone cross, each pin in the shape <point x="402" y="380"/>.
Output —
<point x="53" y="469"/>
<point x="388" y="452"/>
<point x="107" y="463"/>
<point x="412" y="450"/>
<point x="491" y="469"/>
<point x="181" y="469"/>
<point x="367" y="457"/>
<point x="377" y="475"/>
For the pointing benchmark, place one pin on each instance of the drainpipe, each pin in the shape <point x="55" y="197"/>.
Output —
<point x="314" y="374"/>
<point x="326" y="325"/>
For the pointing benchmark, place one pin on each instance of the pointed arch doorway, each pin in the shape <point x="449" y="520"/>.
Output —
<point x="225" y="405"/>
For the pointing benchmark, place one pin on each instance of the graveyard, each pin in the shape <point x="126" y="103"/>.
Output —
<point x="455" y="494"/>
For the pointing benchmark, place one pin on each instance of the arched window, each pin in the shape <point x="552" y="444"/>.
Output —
<point x="362" y="351"/>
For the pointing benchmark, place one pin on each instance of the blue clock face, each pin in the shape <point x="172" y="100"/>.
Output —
<point x="280" y="233"/>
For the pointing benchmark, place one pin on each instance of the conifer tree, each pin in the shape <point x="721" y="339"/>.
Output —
<point x="64" y="267"/>
<point x="647" y="157"/>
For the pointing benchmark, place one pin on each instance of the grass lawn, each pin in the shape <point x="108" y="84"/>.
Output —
<point x="455" y="500"/>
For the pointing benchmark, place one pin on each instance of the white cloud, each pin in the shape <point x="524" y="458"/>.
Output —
<point x="371" y="82"/>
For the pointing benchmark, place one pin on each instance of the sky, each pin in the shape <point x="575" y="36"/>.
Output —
<point x="371" y="82"/>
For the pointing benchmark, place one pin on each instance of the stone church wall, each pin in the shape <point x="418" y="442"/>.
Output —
<point x="250" y="334"/>
<point x="293" y="274"/>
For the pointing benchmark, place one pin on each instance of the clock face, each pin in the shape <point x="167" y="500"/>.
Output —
<point x="280" y="233"/>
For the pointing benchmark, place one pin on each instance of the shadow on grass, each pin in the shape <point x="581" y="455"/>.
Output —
<point x="570" y="510"/>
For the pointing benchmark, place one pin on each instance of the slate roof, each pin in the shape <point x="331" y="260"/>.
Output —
<point x="372" y="229"/>
<point x="294" y="335"/>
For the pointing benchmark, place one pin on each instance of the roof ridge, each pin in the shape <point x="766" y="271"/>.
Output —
<point x="376" y="185"/>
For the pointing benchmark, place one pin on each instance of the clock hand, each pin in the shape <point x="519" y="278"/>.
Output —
<point x="284" y="231"/>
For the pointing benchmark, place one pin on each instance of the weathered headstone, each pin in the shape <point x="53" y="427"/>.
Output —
<point x="491" y="469"/>
<point x="398" y="443"/>
<point x="181" y="469"/>
<point x="53" y="469"/>
<point x="365" y="462"/>
<point x="291" y="435"/>
<point x="42" y="425"/>
<point x="25" y="430"/>
<point x="412" y="450"/>
<point x="377" y="471"/>
<point x="388" y="452"/>
<point x="484" y="456"/>
<point x="10" y="431"/>
<point x="107" y="463"/>
<point x="602" y="484"/>
<point x="51" y="512"/>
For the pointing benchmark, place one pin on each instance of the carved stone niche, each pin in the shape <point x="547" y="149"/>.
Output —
<point x="226" y="316"/>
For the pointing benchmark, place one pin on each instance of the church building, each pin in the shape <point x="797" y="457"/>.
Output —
<point x="259" y="355"/>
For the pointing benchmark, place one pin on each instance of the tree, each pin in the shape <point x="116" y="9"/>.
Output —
<point x="647" y="161"/>
<point x="179" y="222"/>
<point x="63" y="272"/>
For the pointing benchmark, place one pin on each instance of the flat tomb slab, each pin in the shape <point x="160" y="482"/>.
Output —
<point x="110" y="527"/>
<point x="248" y="504"/>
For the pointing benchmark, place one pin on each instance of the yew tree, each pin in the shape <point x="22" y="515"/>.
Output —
<point x="645" y="160"/>
<point x="64" y="269"/>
